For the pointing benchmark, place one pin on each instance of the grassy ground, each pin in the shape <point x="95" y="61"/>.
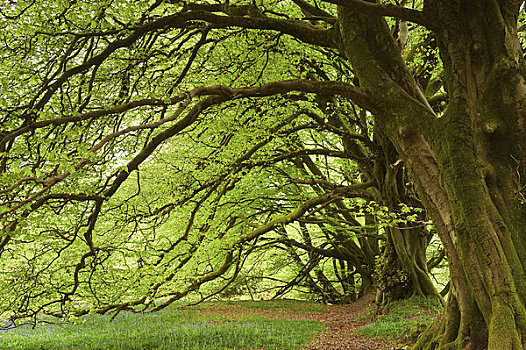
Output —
<point x="283" y="305"/>
<point x="173" y="329"/>
<point x="405" y="319"/>
<point x="231" y="325"/>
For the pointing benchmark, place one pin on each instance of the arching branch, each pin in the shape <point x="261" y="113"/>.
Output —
<point x="388" y="10"/>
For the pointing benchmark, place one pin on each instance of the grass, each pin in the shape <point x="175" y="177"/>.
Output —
<point x="163" y="330"/>
<point x="404" y="318"/>
<point x="288" y="305"/>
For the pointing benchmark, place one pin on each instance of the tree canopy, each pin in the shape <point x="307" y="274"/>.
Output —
<point x="153" y="149"/>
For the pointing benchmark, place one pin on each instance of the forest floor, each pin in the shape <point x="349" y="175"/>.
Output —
<point x="341" y="323"/>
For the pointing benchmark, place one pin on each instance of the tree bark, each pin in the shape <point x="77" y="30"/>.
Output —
<point x="403" y="271"/>
<point x="469" y="164"/>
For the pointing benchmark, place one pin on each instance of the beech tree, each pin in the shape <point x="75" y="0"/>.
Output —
<point x="467" y="162"/>
<point x="94" y="93"/>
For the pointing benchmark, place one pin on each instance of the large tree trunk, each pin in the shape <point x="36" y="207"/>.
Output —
<point x="481" y="159"/>
<point x="403" y="270"/>
<point x="469" y="164"/>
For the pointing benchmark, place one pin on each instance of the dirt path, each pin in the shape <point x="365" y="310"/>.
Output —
<point x="341" y="322"/>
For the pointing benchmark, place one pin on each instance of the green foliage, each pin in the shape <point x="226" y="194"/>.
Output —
<point x="389" y="218"/>
<point x="120" y="183"/>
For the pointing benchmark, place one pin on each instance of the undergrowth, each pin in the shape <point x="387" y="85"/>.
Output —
<point x="404" y="319"/>
<point x="162" y="330"/>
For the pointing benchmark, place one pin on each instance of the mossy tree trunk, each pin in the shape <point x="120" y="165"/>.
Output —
<point x="469" y="164"/>
<point x="403" y="270"/>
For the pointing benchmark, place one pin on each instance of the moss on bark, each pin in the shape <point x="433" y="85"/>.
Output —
<point x="469" y="164"/>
